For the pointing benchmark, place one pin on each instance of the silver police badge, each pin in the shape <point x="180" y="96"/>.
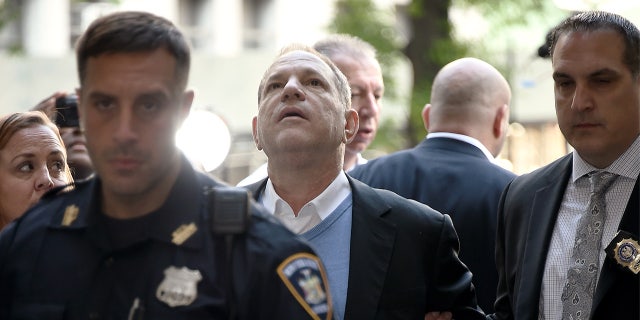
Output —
<point x="179" y="287"/>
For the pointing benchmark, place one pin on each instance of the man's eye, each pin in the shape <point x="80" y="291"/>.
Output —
<point x="273" y="86"/>
<point x="104" y="104"/>
<point x="25" y="167"/>
<point x="149" y="106"/>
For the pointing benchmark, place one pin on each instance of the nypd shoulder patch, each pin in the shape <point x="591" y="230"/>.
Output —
<point x="304" y="275"/>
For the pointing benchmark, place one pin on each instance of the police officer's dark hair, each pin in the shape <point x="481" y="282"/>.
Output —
<point x="600" y="20"/>
<point x="133" y="31"/>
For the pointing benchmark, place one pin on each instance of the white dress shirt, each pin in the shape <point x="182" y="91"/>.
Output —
<point x="311" y="213"/>
<point x="574" y="204"/>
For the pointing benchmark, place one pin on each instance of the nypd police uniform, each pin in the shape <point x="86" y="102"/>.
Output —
<point x="64" y="259"/>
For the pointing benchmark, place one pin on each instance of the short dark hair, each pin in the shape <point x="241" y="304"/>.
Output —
<point x="599" y="20"/>
<point x="133" y="31"/>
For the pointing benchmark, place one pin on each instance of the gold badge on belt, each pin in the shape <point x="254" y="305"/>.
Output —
<point x="626" y="251"/>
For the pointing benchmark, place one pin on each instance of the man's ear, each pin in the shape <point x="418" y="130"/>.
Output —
<point x="501" y="121"/>
<point x="187" y="101"/>
<point x="254" y="132"/>
<point x="425" y="116"/>
<point x="351" y="126"/>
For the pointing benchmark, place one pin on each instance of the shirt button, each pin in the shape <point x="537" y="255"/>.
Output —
<point x="108" y="262"/>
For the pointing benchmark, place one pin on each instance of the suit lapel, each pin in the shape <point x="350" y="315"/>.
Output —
<point x="372" y="240"/>
<point x="610" y="272"/>
<point x="543" y="215"/>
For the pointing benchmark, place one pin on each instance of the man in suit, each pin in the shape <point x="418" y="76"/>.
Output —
<point x="386" y="256"/>
<point x="357" y="60"/>
<point x="596" y="70"/>
<point x="453" y="169"/>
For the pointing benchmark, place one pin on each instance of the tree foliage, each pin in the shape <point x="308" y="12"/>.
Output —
<point x="429" y="43"/>
<point x="10" y="12"/>
<point x="363" y="19"/>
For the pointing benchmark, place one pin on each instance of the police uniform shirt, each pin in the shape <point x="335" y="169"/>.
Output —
<point x="64" y="259"/>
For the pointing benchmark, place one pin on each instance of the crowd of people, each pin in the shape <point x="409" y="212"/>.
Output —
<point x="102" y="217"/>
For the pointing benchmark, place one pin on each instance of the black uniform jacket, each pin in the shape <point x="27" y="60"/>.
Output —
<point x="64" y="259"/>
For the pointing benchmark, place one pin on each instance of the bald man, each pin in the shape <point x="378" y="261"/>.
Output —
<point x="453" y="169"/>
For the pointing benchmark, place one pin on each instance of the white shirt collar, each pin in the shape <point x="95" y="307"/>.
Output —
<point x="473" y="141"/>
<point x="359" y="160"/>
<point x="323" y="204"/>
<point x="627" y="165"/>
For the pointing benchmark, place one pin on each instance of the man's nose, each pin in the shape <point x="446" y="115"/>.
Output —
<point x="125" y="126"/>
<point x="293" y="90"/>
<point x="367" y="105"/>
<point x="582" y="98"/>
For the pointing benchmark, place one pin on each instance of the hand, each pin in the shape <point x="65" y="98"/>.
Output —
<point x="48" y="105"/>
<point x="438" y="316"/>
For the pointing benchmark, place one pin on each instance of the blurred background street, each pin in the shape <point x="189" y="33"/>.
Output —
<point x="234" y="41"/>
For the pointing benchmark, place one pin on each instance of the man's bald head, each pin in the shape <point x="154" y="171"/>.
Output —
<point x="470" y="97"/>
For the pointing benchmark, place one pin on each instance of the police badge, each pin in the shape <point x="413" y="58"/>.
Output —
<point x="626" y="251"/>
<point x="179" y="286"/>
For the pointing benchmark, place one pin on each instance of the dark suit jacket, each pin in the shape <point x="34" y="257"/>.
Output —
<point x="455" y="178"/>
<point x="403" y="259"/>
<point x="527" y="215"/>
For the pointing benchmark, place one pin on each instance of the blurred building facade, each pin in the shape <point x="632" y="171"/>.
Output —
<point x="233" y="42"/>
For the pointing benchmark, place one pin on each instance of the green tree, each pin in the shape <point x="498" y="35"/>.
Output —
<point x="429" y="44"/>
<point x="9" y="12"/>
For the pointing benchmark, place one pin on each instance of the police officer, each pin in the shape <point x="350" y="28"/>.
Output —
<point x="136" y="241"/>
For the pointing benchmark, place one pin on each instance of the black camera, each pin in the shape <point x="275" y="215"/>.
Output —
<point x="67" y="111"/>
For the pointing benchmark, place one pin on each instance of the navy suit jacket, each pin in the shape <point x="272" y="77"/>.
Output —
<point x="403" y="259"/>
<point x="455" y="178"/>
<point x="527" y="216"/>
